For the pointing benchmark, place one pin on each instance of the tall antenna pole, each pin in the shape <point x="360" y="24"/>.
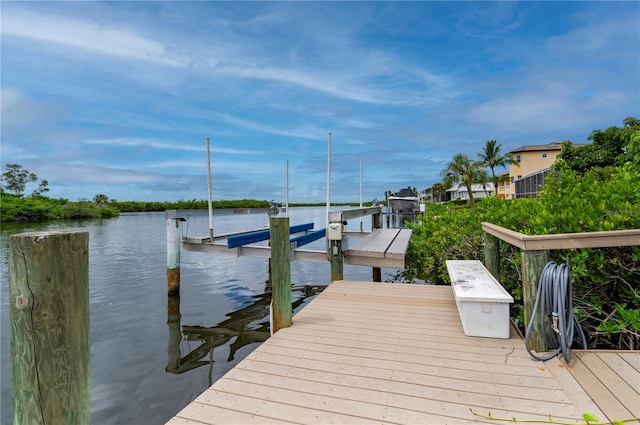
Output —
<point x="286" y="202"/>
<point x="361" y="191"/>
<point x="209" y="186"/>
<point x="328" y="180"/>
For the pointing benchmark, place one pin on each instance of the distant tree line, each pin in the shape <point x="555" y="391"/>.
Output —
<point x="193" y="204"/>
<point x="20" y="206"/>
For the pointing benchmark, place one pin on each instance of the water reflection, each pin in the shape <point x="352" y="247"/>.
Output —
<point x="248" y="325"/>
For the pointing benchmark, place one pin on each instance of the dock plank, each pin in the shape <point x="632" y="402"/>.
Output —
<point x="398" y="247"/>
<point x="364" y="352"/>
<point x="624" y="369"/>
<point x="599" y="392"/>
<point x="602" y="382"/>
<point x="632" y="358"/>
<point x="375" y="245"/>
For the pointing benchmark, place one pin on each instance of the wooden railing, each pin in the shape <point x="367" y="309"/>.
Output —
<point x="535" y="256"/>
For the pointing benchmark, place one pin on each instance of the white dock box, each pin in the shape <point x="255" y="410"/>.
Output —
<point x="483" y="304"/>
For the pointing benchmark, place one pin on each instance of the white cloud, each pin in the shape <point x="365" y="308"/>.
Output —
<point x="92" y="36"/>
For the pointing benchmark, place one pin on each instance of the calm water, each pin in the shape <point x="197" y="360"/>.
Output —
<point x="149" y="357"/>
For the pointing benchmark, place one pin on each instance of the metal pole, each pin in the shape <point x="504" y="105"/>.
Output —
<point x="328" y="179"/>
<point x="209" y="186"/>
<point x="361" y="191"/>
<point x="286" y="205"/>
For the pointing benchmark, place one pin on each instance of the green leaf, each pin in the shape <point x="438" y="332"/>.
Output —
<point x="590" y="418"/>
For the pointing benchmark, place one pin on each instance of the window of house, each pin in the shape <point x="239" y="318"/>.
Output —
<point x="518" y="158"/>
<point x="519" y="177"/>
<point x="544" y="155"/>
<point x="511" y="179"/>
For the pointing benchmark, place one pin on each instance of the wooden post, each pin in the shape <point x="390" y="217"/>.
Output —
<point x="492" y="255"/>
<point x="49" y="317"/>
<point x="376" y="223"/>
<point x="281" y="309"/>
<point x="337" y="260"/>
<point x="532" y="264"/>
<point x="173" y="252"/>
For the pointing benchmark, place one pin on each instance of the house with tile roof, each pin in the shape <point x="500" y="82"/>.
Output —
<point x="528" y="174"/>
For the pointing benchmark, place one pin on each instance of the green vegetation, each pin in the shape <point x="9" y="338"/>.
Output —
<point x="15" y="180"/>
<point x="576" y="198"/>
<point x="18" y="207"/>
<point x="28" y="209"/>
<point x="134" y="206"/>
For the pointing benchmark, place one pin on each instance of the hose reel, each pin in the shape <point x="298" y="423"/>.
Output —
<point x="554" y="304"/>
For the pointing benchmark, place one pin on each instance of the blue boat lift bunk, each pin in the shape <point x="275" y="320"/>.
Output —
<point x="378" y="248"/>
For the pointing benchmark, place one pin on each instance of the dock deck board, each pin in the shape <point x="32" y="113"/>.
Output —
<point x="364" y="352"/>
<point x="609" y="380"/>
<point x="381" y="248"/>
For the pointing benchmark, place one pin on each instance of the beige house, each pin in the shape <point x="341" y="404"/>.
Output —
<point x="533" y="162"/>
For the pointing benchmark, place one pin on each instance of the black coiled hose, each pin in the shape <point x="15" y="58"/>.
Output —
<point x="554" y="303"/>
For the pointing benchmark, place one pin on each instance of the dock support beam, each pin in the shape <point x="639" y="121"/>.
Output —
<point x="173" y="252"/>
<point x="49" y="315"/>
<point x="281" y="309"/>
<point x="533" y="263"/>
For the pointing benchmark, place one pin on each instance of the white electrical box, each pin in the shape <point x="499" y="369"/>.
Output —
<point x="334" y="232"/>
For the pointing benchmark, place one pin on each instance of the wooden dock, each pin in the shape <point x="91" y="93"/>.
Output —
<point x="365" y="352"/>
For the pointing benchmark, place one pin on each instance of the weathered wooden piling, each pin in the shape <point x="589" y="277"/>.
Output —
<point x="281" y="310"/>
<point x="337" y="260"/>
<point x="173" y="252"/>
<point x="49" y="321"/>
<point x="492" y="255"/>
<point x="376" y="223"/>
<point x="533" y="263"/>
<point x="335" y="235"/>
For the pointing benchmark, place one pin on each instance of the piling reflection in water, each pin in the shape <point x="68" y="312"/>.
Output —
<point x="246" y="326"/>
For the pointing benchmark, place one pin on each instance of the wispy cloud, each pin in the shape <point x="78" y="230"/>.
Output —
<point x="92" y="36"/>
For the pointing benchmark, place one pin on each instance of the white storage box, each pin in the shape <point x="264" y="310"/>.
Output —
<point x="483" y="304"/>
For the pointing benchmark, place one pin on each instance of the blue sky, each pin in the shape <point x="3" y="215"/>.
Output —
<point x="117" y="98"/>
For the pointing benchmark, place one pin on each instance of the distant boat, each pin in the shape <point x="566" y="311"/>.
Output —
<point x="404" y="201"/>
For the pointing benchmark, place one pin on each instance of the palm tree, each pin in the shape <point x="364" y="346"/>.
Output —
<point x="437" y="190"/>
<point x="463" y="170"/>
<point x="100" y="199"/>
<point x="483" y="178"/>
<point x="491" y="157"/>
